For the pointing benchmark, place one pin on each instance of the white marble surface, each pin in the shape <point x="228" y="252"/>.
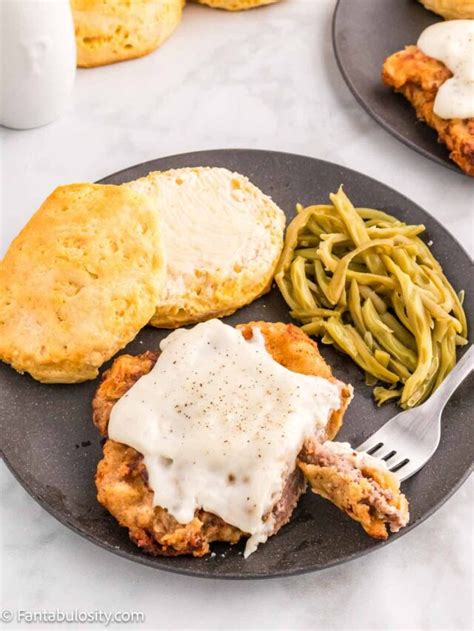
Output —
<point x="264" y="79"/>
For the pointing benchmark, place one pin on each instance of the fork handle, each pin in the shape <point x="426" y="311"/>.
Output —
<point x="453" y="380"/>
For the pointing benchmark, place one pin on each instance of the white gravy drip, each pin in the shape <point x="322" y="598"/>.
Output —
<point x="452" y="43"/>
<point x="220" y="424"/>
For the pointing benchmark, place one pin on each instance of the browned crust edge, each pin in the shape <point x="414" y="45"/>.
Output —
<point x="418" y="77"/>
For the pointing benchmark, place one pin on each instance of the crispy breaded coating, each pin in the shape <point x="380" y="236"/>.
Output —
<point x="122" y="487"/>
<point x="418" y="77"/>
<point x="360" y="486"/>
<point x="125" y="371"/>
<point x="121" y="477"/>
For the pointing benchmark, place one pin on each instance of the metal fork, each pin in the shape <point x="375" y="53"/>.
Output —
<point x="408" y="440"/>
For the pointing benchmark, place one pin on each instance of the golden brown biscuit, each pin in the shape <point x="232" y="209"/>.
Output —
<point x="122" y="478"/>
<point x="235" y="5"/>
<point x="79" y="281"/>
<point x="108" y="31"/>
<point x="451" y="9"/>
<point x="222" y="238"/>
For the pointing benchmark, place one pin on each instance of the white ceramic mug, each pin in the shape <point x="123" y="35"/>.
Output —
<point x="37" y="62"/>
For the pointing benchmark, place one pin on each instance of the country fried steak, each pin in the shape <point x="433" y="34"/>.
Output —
<point x="418" y="77"/>
<point x="357" y="484"/>
<point x="121" y="478"/>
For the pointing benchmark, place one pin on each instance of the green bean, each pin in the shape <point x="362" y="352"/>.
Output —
<point x="355" y="227"/>
<point x="307" y="240"/>
<point x="438" y="312"/>
<point x="338" y="279"/>
<point x="384" y="337"/>
<point x="382" y="357"/>
<point x="353" y="303"/>
<point x="399" y="330"/>
<point x="421" y="325"/>
<point x="325" y="250"/>
<point x="369" y="214"/>
<point x="458" y="311"/>
<point x="365" y="282"/>
<point x="369" y="340"/>
<point x="318" y="208"/>
<point x="399" y="369"/>
<point x="326" y="338"/>
<point x="382" y="395"/>
<point x="286" y="290"/>
<point x="321" y="278"/>
<point x="300" y="284"/>
<point x="313" y="313"/>
<point x="394" y="231"/>
<point x="350" y="341"/>
<point x="366" y="278"/>
<point x="370" y="380"/>
<point x="315" y="327"/>
<point x="379" y="303"/>
<point x="445" y="298"/>
<point x="447" y="356"/>
<point x="314" y="227"/>
<point x="306" y="253"/>
<point x="400" y="310"/>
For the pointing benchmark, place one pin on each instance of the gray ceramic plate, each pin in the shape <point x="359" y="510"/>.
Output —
<point x="50" y="445"/>
<point x="365" y="32"/>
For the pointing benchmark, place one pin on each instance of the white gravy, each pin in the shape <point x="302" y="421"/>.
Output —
<point x="220" y="424"/>
<point x="452" y="43"/>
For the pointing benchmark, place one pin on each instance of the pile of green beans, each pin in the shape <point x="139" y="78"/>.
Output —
<point x="365" y="282"/>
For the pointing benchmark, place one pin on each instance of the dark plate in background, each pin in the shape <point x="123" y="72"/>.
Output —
<point x="51" y="446"/>
<point x="365" y="33"/>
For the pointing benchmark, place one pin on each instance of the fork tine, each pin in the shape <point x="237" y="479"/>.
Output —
<point x="398" y="466"/>
<point x="409" y="469"/>
<point x="372" y="444"/>
<point x="390" y="456"/>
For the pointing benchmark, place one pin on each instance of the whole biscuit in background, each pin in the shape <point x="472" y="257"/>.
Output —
<point x="451" y="9"/>
<point x="79" y="281"/>
<point x="222" y="238"/>
<point x="235" y="5"/>
<point x="115" y="30"/>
